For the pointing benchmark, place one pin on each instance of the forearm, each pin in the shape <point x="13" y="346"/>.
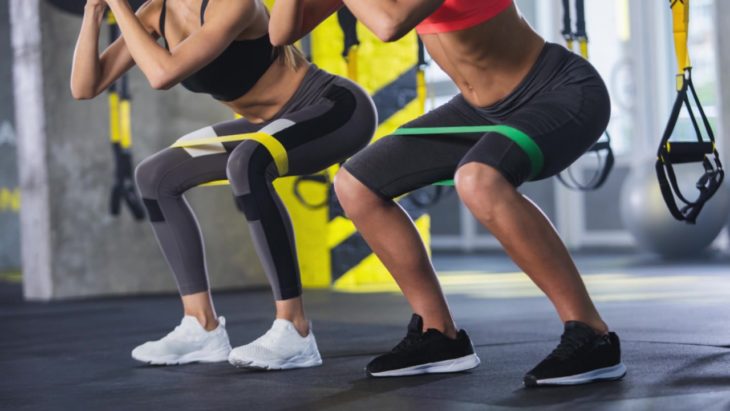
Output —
<point x="392" y="19"/>
<point x="294" y="19"/>
<point x="154" y="60"/>
<point x="85" y="70"/>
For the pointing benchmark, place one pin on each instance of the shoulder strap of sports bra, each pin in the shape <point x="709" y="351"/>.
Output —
<point x="202" y="11"/>
<point x="163" y="13"/>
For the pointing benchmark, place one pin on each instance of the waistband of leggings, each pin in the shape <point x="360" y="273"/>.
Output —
<point x="312" y="86"/>
<point x="550" y="61"/>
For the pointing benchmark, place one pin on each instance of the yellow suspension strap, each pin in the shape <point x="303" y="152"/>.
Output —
<point x="421" y="89"/>
<point x="120" y="136"/>
<point x="581" y="35"/>
<point x="703" y="150"/>
<point x="272" y="145"/>
<point x="605" y="162"/>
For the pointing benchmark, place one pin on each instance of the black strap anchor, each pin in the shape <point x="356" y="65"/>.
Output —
<point x="120" y="135"/>
<point x="701" y="151"/>
<point x="321" y="178"/>
<point x="607" y="160"/>
<point x="348" y="24"/>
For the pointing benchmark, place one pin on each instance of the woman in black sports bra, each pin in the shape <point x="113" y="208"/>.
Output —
<point x="299" y="119"/>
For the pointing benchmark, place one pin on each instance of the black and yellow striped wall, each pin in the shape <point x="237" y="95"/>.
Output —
<point x="331" y="252"/>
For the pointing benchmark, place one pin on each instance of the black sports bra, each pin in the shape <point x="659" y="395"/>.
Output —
<point x="234" y="72"/>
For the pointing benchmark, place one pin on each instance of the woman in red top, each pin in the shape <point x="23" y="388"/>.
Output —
<point x="547" y="106"/>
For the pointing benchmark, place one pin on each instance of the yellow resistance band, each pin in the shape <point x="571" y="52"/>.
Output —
<point x="275" y="148"/>
<point x="680" y="14"/>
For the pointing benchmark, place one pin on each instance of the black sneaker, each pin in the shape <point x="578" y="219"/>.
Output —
<point x="581" y="357"/>
<point x="425" y="353"/>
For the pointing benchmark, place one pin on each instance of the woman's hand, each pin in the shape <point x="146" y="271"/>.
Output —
<point x="91" y="73"/>
<point x="95" y="9"/>
<point x="96" y="4"/>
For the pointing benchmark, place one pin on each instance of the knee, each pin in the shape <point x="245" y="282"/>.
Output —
<point x="149" y="175"/>
<point x="482" y="188"/>
<point x="246" y="160"/>
<point x="353" y="195"/>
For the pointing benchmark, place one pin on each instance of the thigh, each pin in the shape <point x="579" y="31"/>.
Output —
<point x="325" y="131"/>
<point x="548" y="133"/>
<point x="173" y="171"/>
<point x="329" y="130"/>
<point x="395" y="165"/>
<point x="565" y="123"/>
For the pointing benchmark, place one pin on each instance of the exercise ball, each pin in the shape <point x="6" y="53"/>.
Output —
<point x="647" y="218"/>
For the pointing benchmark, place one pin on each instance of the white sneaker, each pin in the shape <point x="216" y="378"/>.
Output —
<point x="280" y="348"/>
<point x="188" y="342"/>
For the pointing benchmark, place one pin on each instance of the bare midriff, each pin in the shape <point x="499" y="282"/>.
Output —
<point x="489" y="60"/>
<point x="275" y="87"/>
<point x="271" y="92"/>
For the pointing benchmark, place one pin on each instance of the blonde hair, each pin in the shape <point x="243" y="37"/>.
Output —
<point x="289" y="55"/>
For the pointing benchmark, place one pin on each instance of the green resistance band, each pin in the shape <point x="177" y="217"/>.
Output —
<point x="526" y="143"/>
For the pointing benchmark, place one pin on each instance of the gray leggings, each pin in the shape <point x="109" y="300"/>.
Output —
<point x="326" y="121"/>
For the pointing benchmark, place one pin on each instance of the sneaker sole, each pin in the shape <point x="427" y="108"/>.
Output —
<point x="440" y="367"/>
<point x="300" y="361"/>
<point x="193" y="357"/>
<point x="612" y="373"/>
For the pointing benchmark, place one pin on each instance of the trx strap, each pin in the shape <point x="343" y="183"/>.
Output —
<point x="700" y="151"/>
<point x="322" y="178"/>
<point x="421" y="90"/>
<point x="606" y="162"/>
<point x="120" y="136"/>
<point x="348" y="24"/>
<point x="270" y="143"/>
<point x="526" y="143"/>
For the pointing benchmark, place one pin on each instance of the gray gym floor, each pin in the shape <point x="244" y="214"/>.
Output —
<point x="673" y="318"/>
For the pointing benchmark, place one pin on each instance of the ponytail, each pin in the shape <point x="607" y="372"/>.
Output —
<point x="289" y="55"/>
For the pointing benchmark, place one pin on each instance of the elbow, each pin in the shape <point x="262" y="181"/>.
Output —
<point x="81" y="96"/>
<point x="281" y="41"/>
<point x="160" y="84"/>
<point x="388" y="36"/>
<point x="390" y="30"/>
<point x="280" y="38"/>
<point x="161" y="81"/>
<point x="79" y="93"/>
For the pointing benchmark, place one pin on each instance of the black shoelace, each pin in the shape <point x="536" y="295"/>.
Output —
<point x="568" y="346"/>
<point x="410" y="340"/>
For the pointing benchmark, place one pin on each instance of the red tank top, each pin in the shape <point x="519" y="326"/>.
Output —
<point x="456" y="15"/>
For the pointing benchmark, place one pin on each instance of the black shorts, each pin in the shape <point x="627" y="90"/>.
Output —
<point x="558" y="111"/>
